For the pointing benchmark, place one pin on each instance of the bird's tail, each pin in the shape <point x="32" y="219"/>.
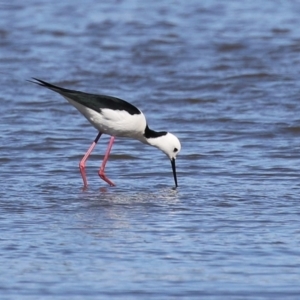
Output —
<point x="49" y="85"/>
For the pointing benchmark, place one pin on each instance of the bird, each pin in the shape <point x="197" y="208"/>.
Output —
<point x="117" y="118"/>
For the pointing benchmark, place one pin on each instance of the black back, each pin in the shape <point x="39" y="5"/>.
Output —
<point x="92" y="101"/>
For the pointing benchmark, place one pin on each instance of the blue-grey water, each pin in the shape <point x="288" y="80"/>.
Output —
<point x="221" y="75"/>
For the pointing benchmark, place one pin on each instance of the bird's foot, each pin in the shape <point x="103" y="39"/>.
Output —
<point x="106" y="179"/>
<point x="84" y="188"/>
<point x="83" y="175"/>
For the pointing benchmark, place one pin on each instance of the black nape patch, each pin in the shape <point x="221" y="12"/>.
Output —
<point x="153" y="134"/>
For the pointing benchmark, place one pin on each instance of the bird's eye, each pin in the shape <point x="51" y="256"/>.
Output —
<point x="175" y="150"/>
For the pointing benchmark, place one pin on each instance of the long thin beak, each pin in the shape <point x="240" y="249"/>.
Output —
<point x="174" y="171"/>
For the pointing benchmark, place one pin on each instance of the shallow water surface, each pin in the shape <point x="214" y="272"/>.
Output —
<point x="223" y="77"/>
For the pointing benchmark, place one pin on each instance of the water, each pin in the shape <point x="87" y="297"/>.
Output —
<point x="221" y="76"/>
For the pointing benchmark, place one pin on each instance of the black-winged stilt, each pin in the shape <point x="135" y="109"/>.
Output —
<point x="117" y="118"/>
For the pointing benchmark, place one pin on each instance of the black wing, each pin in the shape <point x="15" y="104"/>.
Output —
<point x="95" y="102"/>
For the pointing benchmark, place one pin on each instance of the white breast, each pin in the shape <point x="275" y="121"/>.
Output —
<point x="114" y="122"/>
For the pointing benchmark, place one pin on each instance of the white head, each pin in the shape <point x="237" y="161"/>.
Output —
<point x="170" y="145"/>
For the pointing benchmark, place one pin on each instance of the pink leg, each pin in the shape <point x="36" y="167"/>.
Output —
<point x="84" y="159"/>
<point x="101" y="171"/>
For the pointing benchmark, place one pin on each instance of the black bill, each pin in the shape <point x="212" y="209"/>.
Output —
<point x="174" y="171"/>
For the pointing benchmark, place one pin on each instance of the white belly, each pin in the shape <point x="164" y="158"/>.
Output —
<point x="114" y="122"/>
